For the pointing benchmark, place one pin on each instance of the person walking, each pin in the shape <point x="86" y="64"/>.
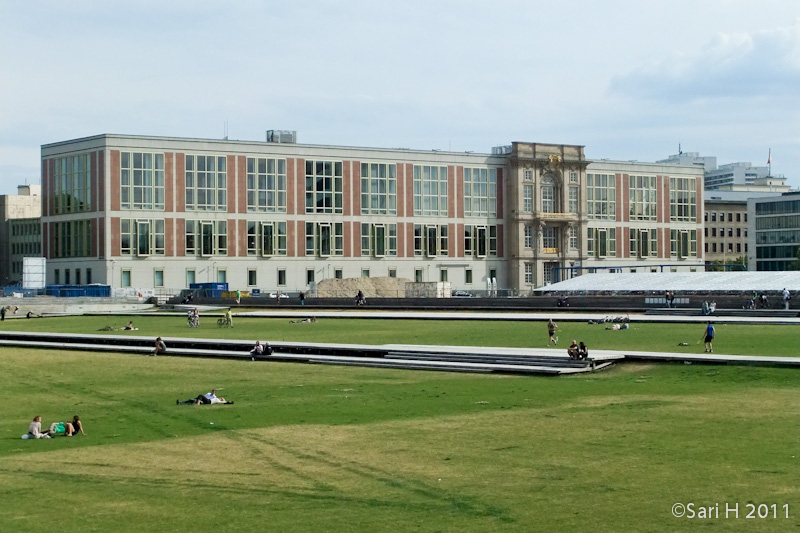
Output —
<point x="709" y="337"/>
<point x="786" y="298"/>
<point x="2" y="313"/>
<point x="551" y="331"/>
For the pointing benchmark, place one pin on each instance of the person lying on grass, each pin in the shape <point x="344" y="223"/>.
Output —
<point x="205" y="399"/>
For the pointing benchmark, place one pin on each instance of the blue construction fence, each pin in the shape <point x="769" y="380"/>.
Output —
<point x="209" y="290"/>
<point x="62" y="291"/>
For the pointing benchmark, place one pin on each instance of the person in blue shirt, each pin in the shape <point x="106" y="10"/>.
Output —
<point x="709" y="337"/>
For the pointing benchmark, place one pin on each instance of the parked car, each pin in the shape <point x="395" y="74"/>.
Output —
<point x="461" y="294"/>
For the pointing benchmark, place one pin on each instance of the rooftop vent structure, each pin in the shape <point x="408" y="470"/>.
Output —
<point x="282" y="136"/>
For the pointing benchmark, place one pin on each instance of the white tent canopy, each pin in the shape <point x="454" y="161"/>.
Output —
<point x="679" y="281"/>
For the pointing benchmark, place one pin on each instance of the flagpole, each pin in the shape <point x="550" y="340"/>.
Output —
<point x="769" y="162"/>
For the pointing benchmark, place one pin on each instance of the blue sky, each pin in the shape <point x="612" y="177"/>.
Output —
<point x="630" y="80"/>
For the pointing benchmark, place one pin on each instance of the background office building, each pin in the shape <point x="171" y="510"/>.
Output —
<point x="166" y="212"/>
<point x="775" y="238"/>
<point x="20" y="231"/>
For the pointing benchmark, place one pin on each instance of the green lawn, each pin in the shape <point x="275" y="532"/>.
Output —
<point x="325" y="448"/>
<point x="778" y="340"/>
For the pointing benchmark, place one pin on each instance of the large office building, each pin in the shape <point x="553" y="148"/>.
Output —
<point x="20" y="231"/>
<point x="774" y="240"/>
<point x="740" y="176"/>
<point x="161" y="212"/>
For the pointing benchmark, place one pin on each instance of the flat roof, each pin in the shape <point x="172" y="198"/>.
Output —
<point x="659" y="282"/>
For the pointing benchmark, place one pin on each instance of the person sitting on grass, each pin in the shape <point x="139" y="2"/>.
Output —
<point x="35" y="430"/>
<point x="129" y="327"/>
<point x="205" y="399"/>
<point x="161" y="348"/>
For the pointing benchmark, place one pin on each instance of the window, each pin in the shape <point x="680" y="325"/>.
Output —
<point x="443" y="274"/>
<point x="418" y="275"/>
<point x="572" y="232"/>
<point x="324" y="187"/>
<point x="71" y="239"/>
<point x="549" y="239"/>
<point x="480" y="241"/>
<point x="430" y="240"/>
<point x="601" y="242"/>
<point x="642" y="202"/>
<point x="468" y="276"/>
<point x="548" y="269"/>
<point x="72" y="184"/>
<point x="430" y="190"/>
<point x="281" y="277"/>
<point x="573" y="200"/>
<point x="573" y="177"/>
<point x="480" y="192"/>
<point x="378" y="189"/>
<point x="222" y="275"/>
<point x="730" y="232"/>
<point x="77" y="276"/>
<point x="141" y="180"/>
<point x="527" y="198"/>
<point x="364" y="272"/>
<point x="57" y="276"/>
<point x="738" y="232"/>
<point x="713" y="247"/>
<point x="392" y="272"/>
<point x="190" y="277"/>
<point x="713" y="232"/>
<point x="738" y="217"/>
<point x="324" y="239"/>
<point x="683" y="243"/>
<point x="158" y="278"/>
<point x="643" y="242"/>
<point x="529" y="273"/>
<point x="67" y="279"/>
<point x="528" y="236"/>
<point x="309" y="276"/>
<point x="527" y="175"/>
<point x="125" y="280"/>
<point x="548" y="195"/>
<point x="266" y="238"/>
<point x="206" y="183"/>
<point x="266" y="185"/>
<point x="88" y="276"/>
<point x="379" y="240"/>
<point x="682" y="199"/>
<point x="206" y="238"/>
<point x="601" y="196"/>
<point x="713" y="217"/>
<point x="141" y="237"/>
<point x="251" y="277"/>
<point x="338" y="273"/>
<point x="730" y="217"/>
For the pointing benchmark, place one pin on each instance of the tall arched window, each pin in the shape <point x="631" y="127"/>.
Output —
<point x="548" y="195"/>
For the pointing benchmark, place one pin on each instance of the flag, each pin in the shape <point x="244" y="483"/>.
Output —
<point x="769" y="157"/>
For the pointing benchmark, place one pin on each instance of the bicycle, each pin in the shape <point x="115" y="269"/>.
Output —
<point x="193" y="321"/>
<point x="223" y="323"/>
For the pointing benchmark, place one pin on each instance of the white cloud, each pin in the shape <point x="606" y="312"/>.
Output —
<point x="763" y="64"/>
